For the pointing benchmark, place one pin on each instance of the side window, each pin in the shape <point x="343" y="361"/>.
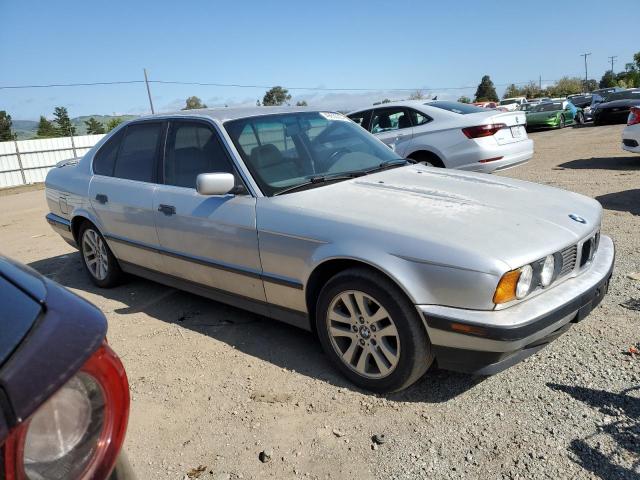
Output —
<point x="360" y="118"/>
<point x="193" y="148"/>
<point x="136" y="159"/>
<point x="105" y="159"/>
<point x="419" y="118"/>
<point x="388" y="119"/>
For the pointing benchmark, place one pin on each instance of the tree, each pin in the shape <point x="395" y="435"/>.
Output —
<point x="566" y="86"/>
<point x="464" y="99"/>
<point x="636" y="58"/>
<point x="608" y="79"/>
<point x="5" y="127"/>
<point x="194" y="102"/>
<point x="591" y="85"/>
<point x="417" y="95"/>
<point x="486" y="91"/>
<point x="301" y="103"/>
<point x="94" y="127"/>
<point x="63" y="122"/>
<point x="113" y="123"/>
<point x="513" y="91"/>
<point x="276" y="96"/>
<point x="386" y="100"/>
<point x="46" y="129"/>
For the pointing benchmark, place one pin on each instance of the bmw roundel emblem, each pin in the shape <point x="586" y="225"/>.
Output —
<point x="577" y="218"/>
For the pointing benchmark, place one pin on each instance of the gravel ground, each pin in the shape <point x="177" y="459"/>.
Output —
<point x="213" y="386"/>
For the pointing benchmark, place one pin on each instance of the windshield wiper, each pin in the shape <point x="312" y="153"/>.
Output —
<point x="388" y="164"/>
<point x="320" y="180"/>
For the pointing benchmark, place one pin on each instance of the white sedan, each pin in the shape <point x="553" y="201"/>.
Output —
<point x="450" y="134"/>
<point x="631" y="133"/>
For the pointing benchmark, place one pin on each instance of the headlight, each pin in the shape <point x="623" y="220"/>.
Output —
<point x="524" y="283"/>
<point x="548" y="269"/>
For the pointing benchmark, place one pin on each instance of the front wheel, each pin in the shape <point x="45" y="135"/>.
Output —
<point x="371" y="332"/>
<point x="561" y="123"/>
<point x="580" y="118"/>
<point x="97" y="258"/>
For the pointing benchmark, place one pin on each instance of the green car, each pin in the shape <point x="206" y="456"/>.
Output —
<point x="553" y="115"/>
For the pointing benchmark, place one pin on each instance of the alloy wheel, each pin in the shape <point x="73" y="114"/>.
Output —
<point x="363" y="334"/>
<point x="95" y="254"/>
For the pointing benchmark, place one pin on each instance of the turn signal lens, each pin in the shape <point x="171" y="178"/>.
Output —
<point x="506" y="289"/>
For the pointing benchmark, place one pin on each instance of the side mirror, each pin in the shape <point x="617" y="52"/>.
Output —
<point x="215" y="183"/>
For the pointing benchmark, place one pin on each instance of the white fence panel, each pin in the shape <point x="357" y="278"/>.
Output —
<point x="28" y="161"/>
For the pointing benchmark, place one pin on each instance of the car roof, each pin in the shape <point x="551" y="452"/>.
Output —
<point x="398" y="103"/>
<point x="225" y="114"/>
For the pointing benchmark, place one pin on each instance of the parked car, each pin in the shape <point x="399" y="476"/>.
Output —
<point x="631" y="133"/>
<point x="450" y="134"/>
<point x="539" y="100"/>
<point x="588" y="110"/>
<point x="512" y="104"/>
<point x="616" y="107"/>
<point x="303" y="216"/>
<point x="582" y="100"/>
<point x="603" y="92"/>
<point x="64" y="401"/>
<point x="553" y="115"/>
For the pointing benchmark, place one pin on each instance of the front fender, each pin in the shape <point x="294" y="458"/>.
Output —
<point x="422" y="281"/>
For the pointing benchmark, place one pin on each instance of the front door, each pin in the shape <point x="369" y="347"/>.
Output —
<point x="210" y="240"/>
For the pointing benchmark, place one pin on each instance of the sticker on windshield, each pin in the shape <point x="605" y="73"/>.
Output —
<point x="334" y="116"/>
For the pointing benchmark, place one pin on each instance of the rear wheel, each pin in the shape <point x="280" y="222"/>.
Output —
<point x="97" y="258"/>
<point x="371" y="332"/>
<point x="427" y="158"/>
<point x="561" y="124"/>
<point x="580" y="118"/>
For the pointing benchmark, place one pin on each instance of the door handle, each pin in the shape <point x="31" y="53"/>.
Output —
<point x="167" y="209"/>
<point x="102" y="198"/>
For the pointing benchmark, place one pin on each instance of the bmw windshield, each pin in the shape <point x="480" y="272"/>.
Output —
<point x="291" y="150"/>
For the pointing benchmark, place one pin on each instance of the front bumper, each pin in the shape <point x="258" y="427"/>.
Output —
<point x="487" y="342"/>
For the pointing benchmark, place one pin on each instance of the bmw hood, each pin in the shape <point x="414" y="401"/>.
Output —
<point x="415" y="210"/>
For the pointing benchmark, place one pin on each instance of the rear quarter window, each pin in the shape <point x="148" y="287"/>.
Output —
<point x="105" y="160"/>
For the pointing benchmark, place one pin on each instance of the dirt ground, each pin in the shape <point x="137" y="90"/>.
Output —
<point x="213" y="386"/>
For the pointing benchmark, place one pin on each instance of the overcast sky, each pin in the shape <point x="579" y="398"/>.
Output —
<point x="374" y="45"/>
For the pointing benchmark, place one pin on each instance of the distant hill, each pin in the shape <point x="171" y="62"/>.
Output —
<point x="27" y="129"/>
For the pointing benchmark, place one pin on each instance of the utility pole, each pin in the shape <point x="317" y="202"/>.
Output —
<point x="612" y="59"/>
<point x="586" y="74"/>
<point x="146" y="81"/>
<point x="540" y="82"/>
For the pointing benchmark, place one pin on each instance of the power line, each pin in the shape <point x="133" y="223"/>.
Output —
<point x="237" y="85"/>
<point x="86" y="84"/>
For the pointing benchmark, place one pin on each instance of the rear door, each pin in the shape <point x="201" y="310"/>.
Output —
<point x="393" y="126"/>
<point x="210" y="240"/>
<point x="121" y="192"/>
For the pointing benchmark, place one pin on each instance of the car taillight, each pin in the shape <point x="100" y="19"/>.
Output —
<point x="634" y="116"/>
<point x="483" y="130"/>
<point x="77" y="434"/>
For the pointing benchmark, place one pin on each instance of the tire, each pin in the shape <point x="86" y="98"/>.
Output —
<point x="391" y="362"/>
<point x="97" y="258"/>
<point x="561" y="125"/>
<point x="580" y="118"/>
<point x="427" y="158"/>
